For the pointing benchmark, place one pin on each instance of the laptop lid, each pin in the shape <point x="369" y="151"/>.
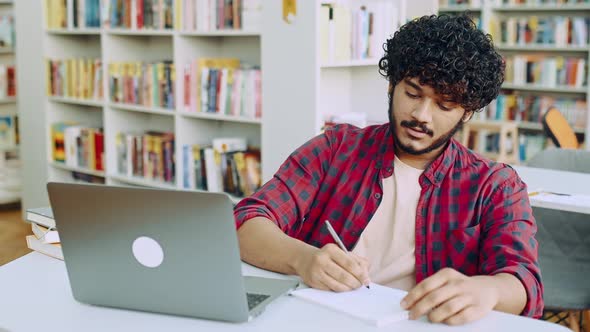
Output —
<point x="108" y="234"/>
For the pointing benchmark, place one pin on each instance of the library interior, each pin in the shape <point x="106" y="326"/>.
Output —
<point x="218" y="165"/>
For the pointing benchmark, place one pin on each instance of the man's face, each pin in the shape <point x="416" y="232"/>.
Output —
<point x="423" y="121"/>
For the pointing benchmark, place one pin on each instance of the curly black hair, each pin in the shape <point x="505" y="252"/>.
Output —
<point x="449" y="54"/>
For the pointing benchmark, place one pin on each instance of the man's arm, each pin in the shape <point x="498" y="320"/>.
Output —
<point x="509" y="277"/>
<point x="264" y="245"/>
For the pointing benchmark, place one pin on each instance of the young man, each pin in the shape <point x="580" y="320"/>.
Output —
<point x="418" y="210"/>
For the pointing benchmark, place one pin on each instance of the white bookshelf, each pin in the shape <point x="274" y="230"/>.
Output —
<point x="298" y="90"/>
<point x="493" y="11"/>
<point x="10" y="158"/>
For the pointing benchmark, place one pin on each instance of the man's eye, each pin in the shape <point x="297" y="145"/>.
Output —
<point x="442" y="107"/>
<point x="412" y="95"/>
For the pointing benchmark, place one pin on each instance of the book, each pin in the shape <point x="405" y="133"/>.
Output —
<point x="44" y="234"/>
<point x="42" y="216"/>
<point x="378" y="305"/>
<point x="49" y="249"/>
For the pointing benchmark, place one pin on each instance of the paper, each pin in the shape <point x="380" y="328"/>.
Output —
<point x="378" y="305"/>
<point x="574" y="200"/>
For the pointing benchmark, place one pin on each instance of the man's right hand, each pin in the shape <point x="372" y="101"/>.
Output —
<point x="330" y="268"/>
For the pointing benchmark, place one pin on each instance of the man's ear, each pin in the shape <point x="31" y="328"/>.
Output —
<point x="390" y="88"/>
<point x="467" y="116"/>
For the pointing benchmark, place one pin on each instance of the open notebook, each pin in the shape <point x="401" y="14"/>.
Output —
<point x="378" y="305"/>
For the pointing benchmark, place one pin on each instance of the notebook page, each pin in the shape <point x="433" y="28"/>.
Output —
<point x="378" y="305"/>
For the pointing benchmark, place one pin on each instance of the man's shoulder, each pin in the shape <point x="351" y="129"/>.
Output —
<point x="468" y="161"/>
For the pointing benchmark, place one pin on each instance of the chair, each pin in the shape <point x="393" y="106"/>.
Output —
<point x="562" y="159"/>
<point x="559" y="130"/>
<point x="564" y="247"/>
<point x="564" y="244"/>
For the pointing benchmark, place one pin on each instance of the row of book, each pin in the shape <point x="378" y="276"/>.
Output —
<point x="227" y="165"/>
<point x="139" y="14"/>
<point x="78" y="146"/>
<point x="528" y="145"/>
<point x="9" y="133"/>
<point x="547" y="71"/>
<point x="356" y="31"/>
<point x="75" y="78"/>
<point x="223" y="86"/>
<point x="553" y="30"/>
<point x="205" y="15"/>
<point x="7" y="36"/>
<point x="148" y="155"/>
<point x="7" y="81"/>
<point x="531" y="108"/>
<point x="142" y="83"/>
<point x="45" y="238"/>
<point x="72" y="14"/>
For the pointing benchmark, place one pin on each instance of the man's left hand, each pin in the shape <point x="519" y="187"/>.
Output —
<point x="451" y="297"/>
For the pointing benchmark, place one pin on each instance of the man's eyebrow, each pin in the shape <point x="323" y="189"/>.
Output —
<point x="412" y="84"/>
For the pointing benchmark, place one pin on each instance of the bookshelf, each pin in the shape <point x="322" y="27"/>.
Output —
<point x="299" y="89"/>
<point x="113" y="45"/>
<point x="500" y="18"/>
<point x="10" y="159"/>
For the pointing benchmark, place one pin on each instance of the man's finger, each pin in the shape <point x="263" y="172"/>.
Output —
<point x="427" y="285"/>
<point x="449" y="309"/>
<point x="433" y="299"/>
<point x="333" y="284"/>
<point x="350" y="263"/>
<point x="464" y="316"/>
<point x="341" y="275"/>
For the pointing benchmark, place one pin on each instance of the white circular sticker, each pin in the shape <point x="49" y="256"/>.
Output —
<point x="148" y="252"/>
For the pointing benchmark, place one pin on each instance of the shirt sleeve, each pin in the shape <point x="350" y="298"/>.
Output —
<point x="286" y="199"/>
<point x="509" y="244"/>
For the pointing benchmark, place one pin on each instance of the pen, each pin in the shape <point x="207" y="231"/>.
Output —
<point x="337" y="238"/>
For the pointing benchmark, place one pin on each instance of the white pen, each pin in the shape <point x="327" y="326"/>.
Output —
<point x="337" y="238"/>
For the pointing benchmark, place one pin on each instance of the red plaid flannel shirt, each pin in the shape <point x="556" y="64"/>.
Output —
<point x="473" y="214"/>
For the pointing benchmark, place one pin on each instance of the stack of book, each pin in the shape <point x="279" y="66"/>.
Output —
<point x="148" y="155"/>
<point x="227" y="165"/>
<point x="45" y="238"/>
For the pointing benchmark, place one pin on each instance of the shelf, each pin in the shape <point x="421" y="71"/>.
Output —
<point x="6" y="50"/>
<point x="458" y="8"/>
<point x="8" y="100"/>
<point x="4" y="149"/>
<point x="219" y="33"/>
<point x="543" y="48"/>
<point x="76" y="101"/>
<point x="541" y="8"/>
<point x="65" y="167"/>
<point x="146" y="32"/>
<point x="540" y="88"/>
<point x="220" y="117"/>
<point x="64" y="31"/>
<point x="351" y="63"/>
<point x="538" y="126"/>
<point x="142" y="109"/>
<point x="143" y="182"/>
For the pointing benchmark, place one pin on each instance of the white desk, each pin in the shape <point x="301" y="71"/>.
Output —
<point x="35" y="296"/>
<point x="572" y="183"/>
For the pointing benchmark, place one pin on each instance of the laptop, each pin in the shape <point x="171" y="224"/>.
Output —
<point x="164" y="251"/>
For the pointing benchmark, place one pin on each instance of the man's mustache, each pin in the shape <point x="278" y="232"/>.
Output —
<point x="415" y="124"/>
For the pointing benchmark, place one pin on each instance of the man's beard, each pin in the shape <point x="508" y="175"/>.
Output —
<point x="421" y="127"/>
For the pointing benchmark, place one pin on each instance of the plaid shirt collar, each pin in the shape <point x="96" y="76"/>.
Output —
<point x="434" y="173"/>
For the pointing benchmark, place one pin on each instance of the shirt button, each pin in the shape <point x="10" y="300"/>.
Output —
<point x="389" y="169"/>
<point x="377" y="195"/>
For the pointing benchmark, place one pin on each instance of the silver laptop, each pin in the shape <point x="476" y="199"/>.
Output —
<point x="166" y="251"/>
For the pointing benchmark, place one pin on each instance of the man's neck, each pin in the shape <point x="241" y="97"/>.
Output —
<point x="418" y="161"/>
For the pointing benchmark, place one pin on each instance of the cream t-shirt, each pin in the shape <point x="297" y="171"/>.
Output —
<point x="388" y="241"/>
